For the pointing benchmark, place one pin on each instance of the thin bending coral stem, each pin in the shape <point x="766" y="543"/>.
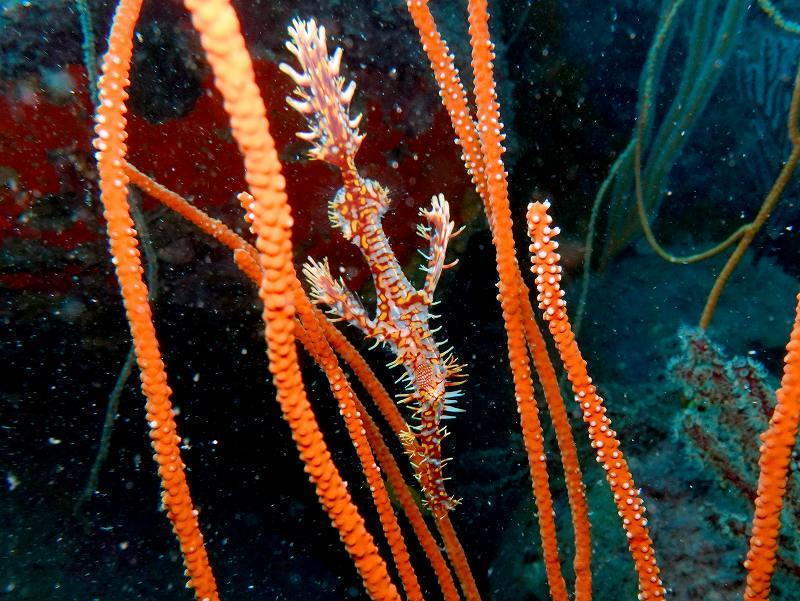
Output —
<point x="576" y="490"/>
<point x="454" y="99"/>
<point x="452" y="92"/>
<point x="642" y="124"/>
<point x="402" y="493"/>
<point x="391" y="414"/>
<point x="778" y="17"/>
<point x="250" y="267"/>
<point x="383" y="401"/>
<point x="200" y="219"/>
<point x="604" y="439"/>
<point x="354" y="417"/>
<point x="776" y="453"/>
<point x="458" y="558"/>
<point x="772" y="198"/>
<point x="221" y="38"/>
<point x="110" y="144"/>
<point x="409" y="506"/>
<point x="489" y="130"/>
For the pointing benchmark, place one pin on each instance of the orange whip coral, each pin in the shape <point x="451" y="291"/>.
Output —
<point x="779" y="440"/>
<point x="518" y="320"/>
<point x="111" y="150"/>
<point x="604" y="439"/>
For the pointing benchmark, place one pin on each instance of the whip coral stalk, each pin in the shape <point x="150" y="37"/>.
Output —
<point x="779" y="440"/>
<point x="604" y="439"/>
<point x="111" y="150"/>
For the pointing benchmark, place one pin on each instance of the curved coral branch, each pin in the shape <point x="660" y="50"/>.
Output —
<point x="779" y="440"/>
<point x="604" y="439"/>
<point x="490" y="133"/>
<point x="111" y="151"/>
